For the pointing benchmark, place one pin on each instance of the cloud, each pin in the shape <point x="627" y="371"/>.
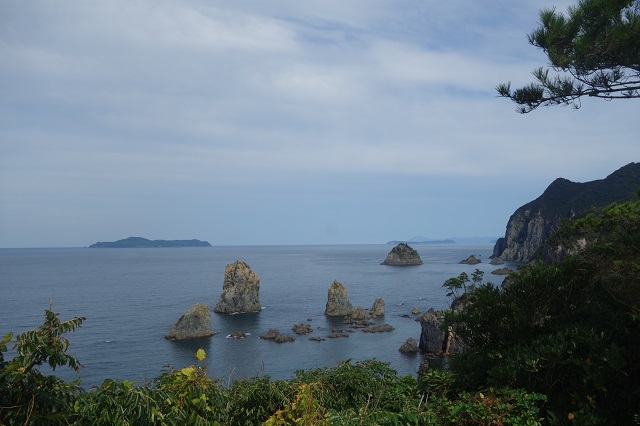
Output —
<point x="128" y="106"/>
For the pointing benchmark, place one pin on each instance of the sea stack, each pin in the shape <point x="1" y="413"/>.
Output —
<point x="402" y="255"/>
<point x="378" y="308"/>
<point x="240" y="291"/>
<point x="195" y="323"/>
<point x="338" y="304"/>
<point x="471" y="260"/>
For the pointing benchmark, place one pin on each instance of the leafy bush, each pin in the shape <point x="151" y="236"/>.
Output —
<point x="27" y="396"/>
<point x="369" y="385"/>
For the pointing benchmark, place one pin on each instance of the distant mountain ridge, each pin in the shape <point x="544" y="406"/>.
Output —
<point x="450" y="240"/>
<point x="395" y="242"/>
<point x="139" y="242"/>
<point x="530" y="225"/>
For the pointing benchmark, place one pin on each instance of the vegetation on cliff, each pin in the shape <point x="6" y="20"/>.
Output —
<point x="531" y="224"/>
<point x="569" y="329"/>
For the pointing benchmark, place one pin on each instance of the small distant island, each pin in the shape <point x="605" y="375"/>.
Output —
<point x="139" y="242"/>
<point x="422" y="242"/>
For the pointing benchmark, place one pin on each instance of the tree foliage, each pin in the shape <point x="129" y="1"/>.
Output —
<point x="569" y="330"/>
<point x="27" y="396"/>
<point x="594" y="51"/>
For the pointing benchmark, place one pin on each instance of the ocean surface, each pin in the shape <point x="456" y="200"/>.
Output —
<point x="132" y="297"/>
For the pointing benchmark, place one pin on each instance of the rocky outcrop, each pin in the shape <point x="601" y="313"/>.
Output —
<point x="275" y="335"/>
<point x="471" y="260"/>
<point x="532" y="224"/>
<point x="402" y="255"/>
<point x="302" y="328"/>
<point x="338" y="304"/>
<point x="496" y="261"/>
<point x="359" y="314"/>
<point x="410" y="346"/>
<point x="240" y="291"/>
<point x="379" y="328"/>
<point x="502" y="271"/>
<point x="195" y="323"/>
<point x="377" y="309"/>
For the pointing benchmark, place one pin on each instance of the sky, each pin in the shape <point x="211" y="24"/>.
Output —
<point x="281" y="122"/>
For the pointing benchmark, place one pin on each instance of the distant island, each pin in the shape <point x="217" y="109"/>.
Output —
<point x="419" y="239"/>
<point x="422" y="242"/>
<point x="139" y="242"/>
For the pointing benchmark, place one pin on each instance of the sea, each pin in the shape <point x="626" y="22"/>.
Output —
<point x="132" y="297"/>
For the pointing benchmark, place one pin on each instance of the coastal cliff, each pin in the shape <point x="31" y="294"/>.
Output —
<point x="530" y="225"/>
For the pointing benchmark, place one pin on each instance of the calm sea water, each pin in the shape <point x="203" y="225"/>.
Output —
<point x="132" y="297"/>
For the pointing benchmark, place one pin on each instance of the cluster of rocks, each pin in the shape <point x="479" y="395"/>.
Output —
<point x="302" y="329"/>
<point x="379" y="328"/>
<point x="502" y="271"/>
<point x="338" y="304"/>
<point x="275" y="335"/>
<point x="240" y="293"/>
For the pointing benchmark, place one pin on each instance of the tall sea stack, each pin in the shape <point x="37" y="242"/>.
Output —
<point x="338" y="304"/>
<point x="240" y="291"/>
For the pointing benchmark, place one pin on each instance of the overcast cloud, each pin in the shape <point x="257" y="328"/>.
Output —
<point x="280" y="122"/>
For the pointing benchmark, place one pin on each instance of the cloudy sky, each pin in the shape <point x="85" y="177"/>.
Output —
<point x="281" y="121"/>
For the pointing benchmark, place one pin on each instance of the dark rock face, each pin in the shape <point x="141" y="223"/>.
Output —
<point x="471" y="260"/>
<point x="402" y="255"/>
<point x="195" y="323"/>
<point x="378" y="308"/>
<point x="276" y="336"/>
<point x="433" y="340"/>
<point x="431" y="336"/>
<point x="496" y="261"/>
<point x="532" y="224"/>
<point x="410" y="346"/>
<point x="338" y="304"/>
<point x="240" y="291"/>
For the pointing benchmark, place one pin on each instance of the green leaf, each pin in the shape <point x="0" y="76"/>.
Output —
<point x="201" y="354"/>
<point x="188" y="371"/>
